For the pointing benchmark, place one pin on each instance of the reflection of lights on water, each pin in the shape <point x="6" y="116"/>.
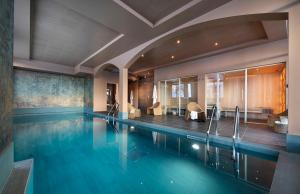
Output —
<point x="195" y="146"/>
<point x="131" y="128"/>
<point x="171" y="181"/>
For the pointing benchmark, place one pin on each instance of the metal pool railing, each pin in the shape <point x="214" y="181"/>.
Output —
<point x="209" y="127"/>
<point x="236" y="131"/>
<point x="113" y="111"/>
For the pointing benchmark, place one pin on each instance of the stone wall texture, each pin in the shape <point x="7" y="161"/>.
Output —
<point x="88" y="93"/>
<point x="6" y="60"/>
<point x="47" y="90"/>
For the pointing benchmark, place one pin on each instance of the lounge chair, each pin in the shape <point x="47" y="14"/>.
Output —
<point x="155" y="109"/>
<point x="193" y="106"/>
<point x="276" y="117"/>
<point x="133" y="112"/>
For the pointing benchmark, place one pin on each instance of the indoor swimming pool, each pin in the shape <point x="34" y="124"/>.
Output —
<point x="85" y="154"/>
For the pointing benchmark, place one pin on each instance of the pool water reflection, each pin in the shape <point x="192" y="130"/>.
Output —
<point x="82" y="154"/>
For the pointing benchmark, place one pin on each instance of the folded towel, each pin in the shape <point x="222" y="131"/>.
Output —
<point x="194" y="115"/>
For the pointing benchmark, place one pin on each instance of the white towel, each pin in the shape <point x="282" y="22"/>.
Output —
<point x="194" y="115"/>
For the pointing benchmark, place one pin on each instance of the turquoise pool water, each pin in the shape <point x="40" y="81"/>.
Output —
<point x="82" y="154"/>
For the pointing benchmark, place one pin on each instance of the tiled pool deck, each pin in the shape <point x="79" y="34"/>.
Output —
<point x="254" y="133"/>
<point x="287" y="174"/>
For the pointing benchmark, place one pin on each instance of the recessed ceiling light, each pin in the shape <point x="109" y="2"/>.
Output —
<point x="142" y="55"/>
<point x="216" y="44"/>
<point x="178" y="41"/>
<point x="195" y="146"/>
<point x="172" y="57"/>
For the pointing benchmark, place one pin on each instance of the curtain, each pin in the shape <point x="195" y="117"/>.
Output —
<point x="232" y="92"/>
<point x="265" y="91"/>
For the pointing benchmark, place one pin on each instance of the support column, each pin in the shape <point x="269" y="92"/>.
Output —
<point x="123" y="93"/>
<point x="202" y="91"/>
<point x="293" y="137"/>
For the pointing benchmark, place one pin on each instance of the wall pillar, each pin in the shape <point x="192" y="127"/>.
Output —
<point x="123" y="93"/>
<point x="6" y="90"/>
<point x="201" y="92"/>
<point x="293" y="137"/>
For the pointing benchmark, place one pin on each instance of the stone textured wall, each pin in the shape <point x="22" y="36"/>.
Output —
<point x="88" y="93"/>
<point x="47" y="90"/>
<point x="6" y="60"/>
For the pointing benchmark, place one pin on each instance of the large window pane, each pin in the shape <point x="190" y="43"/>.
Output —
<point x="266" y="92"/>
<point x="232" y="93"/>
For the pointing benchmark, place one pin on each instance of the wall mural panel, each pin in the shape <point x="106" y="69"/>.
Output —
<point x="88" y="93"/>
<point x="47" y="90"/>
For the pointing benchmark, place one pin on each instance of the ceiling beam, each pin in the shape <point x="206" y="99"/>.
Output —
<point x="133" y="12"/>
<point x="48" y="67"/>
<point x="177" y="12"/>
<point x="98" y="51"/>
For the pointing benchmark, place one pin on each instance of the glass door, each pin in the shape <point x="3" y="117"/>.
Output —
<point x="163" y="96"/>
<point x="172" y="97"/>
<point x="188" y="92"/>
<point x="213" y="87"/>
<point x="232" y="93"/>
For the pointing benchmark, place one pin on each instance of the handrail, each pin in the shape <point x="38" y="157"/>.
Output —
<point x="210" y="122"/>
<point x="111" y="110"/>
<point x="116" y="111"/>
<point x="209" y="128"/>
<point x="236" y="131"/>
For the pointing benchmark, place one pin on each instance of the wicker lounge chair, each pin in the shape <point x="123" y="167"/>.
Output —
<point x="193" y="106"/>
<point x="133" y="112"/>
<point x="155" y="109"/>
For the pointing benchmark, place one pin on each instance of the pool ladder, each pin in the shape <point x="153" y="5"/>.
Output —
<point x="112" y="112"/>
<point x="209" y="127"/>
<point x="236" y="131"/>
<point x="235" y="139"/>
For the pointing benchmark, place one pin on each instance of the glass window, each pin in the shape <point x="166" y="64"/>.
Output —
<point x="189" y="90"/>
<point x="174" y="91"/>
